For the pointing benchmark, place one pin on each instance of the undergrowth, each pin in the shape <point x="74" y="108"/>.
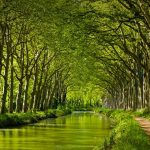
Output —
<point x="127" y="134"/>
<point x="15" y="119"/>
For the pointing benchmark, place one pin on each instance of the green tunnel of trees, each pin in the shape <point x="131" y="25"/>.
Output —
<point x="55" y="50"/>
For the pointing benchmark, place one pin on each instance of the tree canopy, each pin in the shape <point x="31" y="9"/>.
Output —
<point x="91" y="50"/>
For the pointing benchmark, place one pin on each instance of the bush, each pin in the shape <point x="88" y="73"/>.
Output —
<point x="8" y="120"/>
<point x="127" y="134"/>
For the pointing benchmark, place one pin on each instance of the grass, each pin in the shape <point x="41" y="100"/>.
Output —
<point x="16" y="119"/>
<point x="127" y="134"/>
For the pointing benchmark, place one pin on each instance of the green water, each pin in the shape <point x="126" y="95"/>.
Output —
<point x="78" y="131"/>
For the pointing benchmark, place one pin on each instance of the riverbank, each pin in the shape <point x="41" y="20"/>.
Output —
<point x="126" y="133"/>
<point x="17" y="119"/>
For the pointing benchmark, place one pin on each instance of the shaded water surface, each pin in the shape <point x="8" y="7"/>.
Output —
<point x="78" y="131"/>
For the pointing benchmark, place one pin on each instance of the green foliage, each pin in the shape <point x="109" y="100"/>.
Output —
<point x="106" y="111"/>
<point x="82" y="105"/>
<point x="9" y="120"/>
<point x="127" y="134"/>
<point x="141" y="112"/>
<point x="58" y="50"/>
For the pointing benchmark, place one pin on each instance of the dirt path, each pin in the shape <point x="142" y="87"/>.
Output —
<point x="144" y="123"/>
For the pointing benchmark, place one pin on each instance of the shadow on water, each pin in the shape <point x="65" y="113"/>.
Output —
<point x="78" y="131"/>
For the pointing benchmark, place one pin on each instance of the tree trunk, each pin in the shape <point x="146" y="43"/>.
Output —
<point x="5" y="88"/>
<point x="11" y="86"/>
<point x="34" y="90"/>
<point x="19" y="98"/>
<point x="25" y="106"/>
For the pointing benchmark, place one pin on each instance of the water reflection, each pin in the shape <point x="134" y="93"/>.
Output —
<point x="79" y="131"/>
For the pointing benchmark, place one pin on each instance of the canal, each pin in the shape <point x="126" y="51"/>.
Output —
<point x="78" y="131"/>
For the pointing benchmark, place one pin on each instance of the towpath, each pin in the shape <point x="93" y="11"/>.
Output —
<point x="144" y="123"/>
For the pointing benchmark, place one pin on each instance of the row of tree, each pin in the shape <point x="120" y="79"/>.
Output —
<point x="121" y="31"/>
<point x="32" y="75"/>
<point x="49" y="49"/>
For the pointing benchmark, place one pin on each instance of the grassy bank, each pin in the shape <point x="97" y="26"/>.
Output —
<point x="83" y="109"/>
<point x="142" y="113"/>
<point x="16" y="119"/>
<point x="126" y="134"/>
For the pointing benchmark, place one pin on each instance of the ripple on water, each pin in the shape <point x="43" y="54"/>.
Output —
<point x="78" y="131"/>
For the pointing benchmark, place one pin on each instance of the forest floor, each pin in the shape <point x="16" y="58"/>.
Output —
<point x="144" y="123"/>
